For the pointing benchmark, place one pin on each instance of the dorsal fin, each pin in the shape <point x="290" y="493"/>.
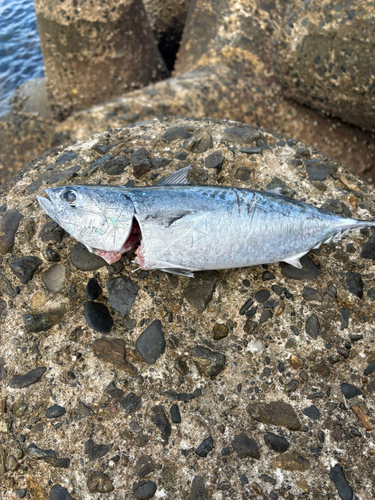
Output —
<point x="179" y="177"/>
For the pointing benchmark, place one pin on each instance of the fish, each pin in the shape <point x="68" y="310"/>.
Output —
<point x="181" y="229"/>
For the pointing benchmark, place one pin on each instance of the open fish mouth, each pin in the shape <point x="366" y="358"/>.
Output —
<point x="48" y="207"/>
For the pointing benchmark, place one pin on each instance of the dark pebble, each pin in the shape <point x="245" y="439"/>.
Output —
<point x="220" y="331"/>
<point x="331" y="290"/>
<point x="48" y="456"/>
<point x="21" y="381"/>
<point x="277" y="289"/>
<point x="246" y="306"/>
<point x="369" y="369"/>
<point x="51" y="231"/>
<point x="225" y="451"/>
<point x="40" y="322"/>
<point x="161" y="162"/>
<point x="115" y="166"/>
<point x="9" y="223"/>
<point x="371" y="293"/>
<point x="244" y="446"/>
<point x="241" y="135"/>
<point x="312" y="412"/>
<point x="321" y="436"/>
<point x="251" y="312"/>
<point x="160" y="419"/>
<point x="113" y="351"/>
<point x="311" y="294"/>
<point x="6" y="286"/>
<point x="209" y="363"/>
<point x="95" y="451"/>
<point x="25" y="267"/>
<point x="267" y="479"/>
<point x="294" y="162"/>
<point x="198" y="489"/>
<point x="205" y="447"/>
<point x="55" y="411"/>
<point x="344" y="489"/>
<point x="95" y="164"/>
<point x="355" y="284"/>
<point x="93" y="289"/>
<point x="21" y="493"/>
<point x="267" y="275"/>
<point x="65" y="174"/>
<point x="214" y="160"/>
<point x="337" y="207"/>
<point x="243" y="479"/>
<point x="97" y="316"/>
<point x="270" y="304"/>
<point x="344" y="318"/>
<point x="278" y="183"/>
<point x="51" y="255"/>
<point x="318" y="170"/>
<point x="265" y="316"/>
<point x="144" y="465"/>
<point x="131" y="402"/>
<point x="368" y="248"/>
<point x="140" y="162"/>
<point x="262" y="296"/>
<point x="84" y="260"/>
<point x="175" y="414"/>
<point x="350" y="391"/>
<point x="181" y="155"/>
<point x="98" y="482"/>
<point x="275" y="413"/>
<point x="103" y="149"/>
<point x="313" y="326"/>
<point x="302" y="152"/>
<point x="242" y="174"/>
<point x="198" y="143"/>
<point x="66" y="157"/>
<point x="200" y="290"/>
<point x="175" y="133"/>
<point x="255" y="150"/>
<point x="151" y="344"/>
<point x="57" y="492"/>
<point x="276" y="443"/>
<point x="122" y="292"/>
<point x="143" y="490"/>
<point x="309" y="271"/>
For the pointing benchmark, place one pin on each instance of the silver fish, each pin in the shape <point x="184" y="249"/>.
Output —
<point x="184" y="228"/>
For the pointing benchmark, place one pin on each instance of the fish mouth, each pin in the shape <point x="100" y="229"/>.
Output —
<point x="48" y="206"/>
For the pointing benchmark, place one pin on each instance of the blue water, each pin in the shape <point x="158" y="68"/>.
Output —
<point x="20" y="54"/>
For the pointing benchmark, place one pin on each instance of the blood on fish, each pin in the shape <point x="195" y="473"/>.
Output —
<point x="134" y="238"/>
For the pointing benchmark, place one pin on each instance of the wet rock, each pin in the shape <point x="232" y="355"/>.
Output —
<point x="54" y="278"/>
<point x="311" y="294"/>
<point x="95" y="451"/>
<point x="66" y="157"/>
<point x="6" y="286"/>
<point x="209" y="363"/>
<point x="160" y="419"/>
<point x="198" y="489"/>
<point x="25" y="267"/>
<point x="29" y="378"/>
<point x="241" y="135"/>
<point x="98" y="482"/>
<point x="244" y="446"/>
<point x="55" y="411"/>
<point x="151" y="344"/>
<point x="57" y="492"/>
<point x="40" y="322"/>
<point x="122" y="292"/>
<point x="198" y="143"/>
<point x="115" y="166"/>
<point x="214" y="160"/>
<point x="9" y="223"/>
<point x="291" y="461"/>
<point x="200" y="289"/>
<point x="206" y="446"/>
<point x="220" y="331"/>
<point x="275" y="413"/>
<point x="93" y="289"/>
<point x="84" y="260"/>
<point x="51" y="231"/>
<point x="143" y="490"/>
<point x="144" y="465"/>
<point x="98" y="317"/>
<point x="174" y="133"/>
<point x="276" y="443"/>
<point x="175" y="414"/>
<point x="350" y="391"/>
<point x="312" y="412"/>
<point x="131" y="402"/>
<point x="140" y="162"/>
<point x="313" y="326"/>
<point x="113" y="351"/>
<point x="309" y="271"/>
<point x="355" y="284"/>
<point x="48" y="456"/>
<point x="337" y="475"/>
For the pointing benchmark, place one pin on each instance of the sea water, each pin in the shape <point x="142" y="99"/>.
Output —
<point x="20" y="53"/>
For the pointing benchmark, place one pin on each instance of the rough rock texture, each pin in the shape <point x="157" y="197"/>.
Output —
<point x="275" y="374"/>
<point x="325" y="58"/>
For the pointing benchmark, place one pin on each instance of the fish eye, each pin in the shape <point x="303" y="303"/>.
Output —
<point x="69" y="196"/>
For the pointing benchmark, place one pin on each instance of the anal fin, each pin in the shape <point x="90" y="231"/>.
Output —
<point x="293" y="260"/>
<point x="179" y="272"/>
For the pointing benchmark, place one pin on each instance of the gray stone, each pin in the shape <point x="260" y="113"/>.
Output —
<point x="209" y="363"/>
<point x="214" y="160"/>
<point x="151" y="343"/>
<point x="115" y="166"/>
<point x="241" y="135"/>
<point x="40" y="322"/>
<point x="244" y="446"/>
<point x="131" y="402"/>
<point x="143" y="490"/>
<point x="84" y="260"/>
<point x="9" y="223"/>
<point x="199" y="143"/>
<point x="6" y="286"/>
<point x="309" y="271"/>
<point x="337" y="475"/>
<point x="95" y="451"/>
<point x="313" y="326"/>
<point x="200" y="289"/>
<point x="355" y="284"/>
<point x="174" y="133"/>
<point x="144" y="465"/>
<point x="51" y="231"/>
<point x="54" y="278"/>
<point x="311" y="294"/>
<point x="350" y="391"/>
<point x="25" y="267"/>
<point x="122" y="292"/>
<point x="57" y="492"/>
<point x="55" y="411"/>
<point x="29" y="378"/>
<point x="276" y="442"/>
<point x="160" y="419"/>
<point x="198" y="489"/>
<point x="206" y="446"/>
<point x="66" y="157"/>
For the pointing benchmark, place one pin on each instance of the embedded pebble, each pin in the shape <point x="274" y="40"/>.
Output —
<point x="131" y="402"/>
<point x="113" y="351"/>
<point x="350" y="391"/>
<point x="311" y="294"/>
<point x="144" y="465"/>
<point x="151" y="344"/>
<point x="198" y="143"/>
<point x="57" y="492"/>
<point x="140" y="162"/>
<point x="262" y="296"/>
<point x="25" y="267"/>
<point x="6" y="286"/>
<point x="275" y="413"/>
<point x="175" y="414"/>
<point x="54" y="278"/>
<point x="94" y="450"/>
<point x="312" y="412"/>
<point x="39" y="322"/>
<point x="344" y="490"/>
<point x="84" y="260"/>
<point x="51" y="231"/>
<point x="198" y="489"/>
<point x="206" y="446"/>
<point x="174" y="133"/>
<point x="97" y="316"/>
<point x="214" y="160"/>
<point x="143" y="490"/>
<point x="291" y="461"/>
<point x="220" y="331"/>
<point x="93" y="289"/>
<point x="115" y="166"/>
<point x="209" y="363"/>
<point x="29" y="378"/>
<point x="241" y="135"/>
<point x="355" y="284"/>
<point x="160" y="419"/>
<point x="242" y="174"/>
<point x="313" y="326"/>
<point x="98" y="482"/>
<point x="9" y="223"/>
<point x="55" y="411"/>
<point x="368" y="247"/>
<point x="51" y="255"/>
<point x="244" y="446"/>
<point x="122" y="293"/>
<point x="66" y="157"/>
<point x="276" y="443"/>
<point x="200" y="290"/>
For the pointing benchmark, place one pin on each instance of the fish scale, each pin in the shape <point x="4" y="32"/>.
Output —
<point x="184" y="228"/>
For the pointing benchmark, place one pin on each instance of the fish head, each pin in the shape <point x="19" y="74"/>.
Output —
<point x="100" y="218"/>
